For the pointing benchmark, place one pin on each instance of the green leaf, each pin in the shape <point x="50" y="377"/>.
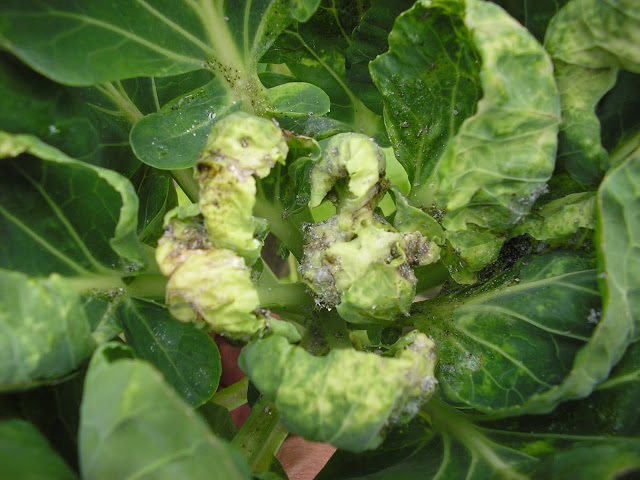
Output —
<point x="580" y="150"/>
<point x="559" y="218"/>
<point x="454" y="161"/>
<point x="157" y="195"/>
<point x="61" y="116"/>
<point x="173" y="137"/>
<point x="133" y="424"/>
<point x="26" y="455"/>
<point x="187" y="357"/>
<point x="159" y="39"/>
<point x="596" y="34"/>
<point x="518" y="344"/>
<point x="482" y="163"/>
<point x="315" y="53"/>
<point x="65" y="216"/>
<point x="369" y="39"/>
<point x="534" y="16"/>
<point x="445" y="443"/>
<point x="618" y="234"/>
<point x="45" y="331"/>
<point x="298" y="99"/>
<point x="589" y="41"/>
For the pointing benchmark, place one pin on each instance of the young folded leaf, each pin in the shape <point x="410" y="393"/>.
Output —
<point x="348" y="398"/>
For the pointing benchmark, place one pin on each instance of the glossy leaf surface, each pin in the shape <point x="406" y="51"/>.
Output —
<point x="187" y="357"/>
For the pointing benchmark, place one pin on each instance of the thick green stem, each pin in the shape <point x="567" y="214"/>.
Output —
<point x="88" y="283"/>
<point x="184" y="178"/>
<point x="287" y="297"/>
<point x="288" y="230"/>
<point x="233" y="396"/>
<point x="148" y="285"/>
<point x="260" y="437"/>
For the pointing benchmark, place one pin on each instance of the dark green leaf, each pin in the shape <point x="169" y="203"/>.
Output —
<point x="620" y="461"/>
<point x="157" y="195"/>
<point x="149" y="94"/>
<point x="369" y="39"/>
<point x="55" y="411"/>
<point x="315" y="53"/>
<point x="619" y="114"/>
<point x="534" y="16"/>
<point x="444" y="443"/>
<point x="133" y="424"/>
<point x="45" y="331"/>
<point x="60" y="116"/>
<point x="26" y="455"/>
<point x="80" y="44"/>
<point x="65" y="216"/>
<point x="173" y="137"/>
<point x="298" y="99"/>
<point x="187" y="357"/>
<point x="219" y="420"/>
<point x="66" y="41"/>
<point x="517" y="344"/>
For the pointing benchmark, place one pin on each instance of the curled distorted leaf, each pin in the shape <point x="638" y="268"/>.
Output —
<point x="357" y="158"/>
<point x="347" y="398"/>
<point x="481" y="162"/>
<point x="590" y="41"/>
<point x="206" y="284"/>
<point x="355" y="260"/>
<point x="239" y="147"/>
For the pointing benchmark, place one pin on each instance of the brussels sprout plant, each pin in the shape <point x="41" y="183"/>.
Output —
<point x="419" y="220"/>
